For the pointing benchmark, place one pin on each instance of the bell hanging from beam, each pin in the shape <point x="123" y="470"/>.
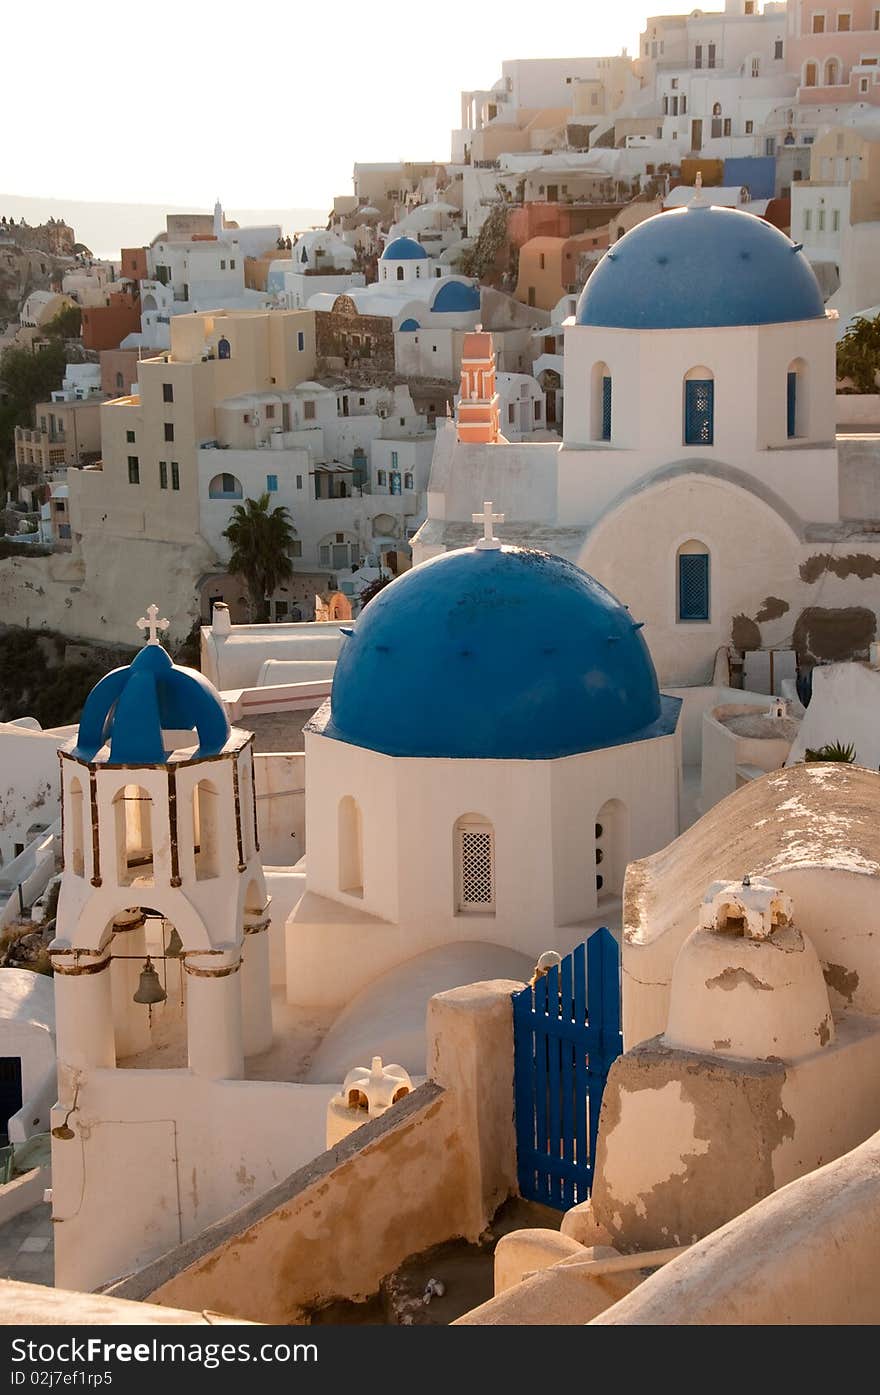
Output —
<point x="149" y="990"/>
<point x="175" y="946"/>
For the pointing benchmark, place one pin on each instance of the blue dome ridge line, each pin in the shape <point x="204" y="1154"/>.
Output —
<point x="497" y="654"/>
<point x="722" y="267"/>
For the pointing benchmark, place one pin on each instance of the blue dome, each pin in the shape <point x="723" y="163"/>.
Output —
<point x="455" y="296"/>
<point x="409" y="326"/>
<point x="497" y="654"/>
<point x="698" y="267"/>
<point x="404" y="249"/>
<point x="131" y="707"/>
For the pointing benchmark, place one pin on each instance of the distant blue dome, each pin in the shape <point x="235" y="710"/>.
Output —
<point x="409" y="326"/>
<point x="455" y="296"/>
<point x="132" y="706"/>
<point x="404" y="249"/>
<point x="497" y="654"/>
<point x="701" y="266"/>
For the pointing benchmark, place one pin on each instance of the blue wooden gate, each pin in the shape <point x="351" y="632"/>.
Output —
<point x="566" y="1031"/>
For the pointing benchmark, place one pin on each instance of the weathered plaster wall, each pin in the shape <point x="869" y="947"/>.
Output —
<point x="805" y="1255"/>
<point x="435" y="1166"/>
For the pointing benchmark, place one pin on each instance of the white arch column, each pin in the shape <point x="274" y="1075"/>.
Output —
<point x="213" y="1015"/>
<point x="256" y="986"/>
<point x="84" y="1008"/>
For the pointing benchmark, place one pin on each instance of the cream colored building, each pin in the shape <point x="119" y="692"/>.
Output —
<point x="146" y="485"/>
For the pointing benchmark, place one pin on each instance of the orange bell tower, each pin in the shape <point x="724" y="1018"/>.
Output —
<point x="478" y="417"/>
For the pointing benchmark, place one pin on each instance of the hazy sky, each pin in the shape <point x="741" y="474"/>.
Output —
<point x="267" y="105"/>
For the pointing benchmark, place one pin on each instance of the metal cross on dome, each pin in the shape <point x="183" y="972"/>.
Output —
<point x="487" y="518"/>
<point x="150" y="623"/>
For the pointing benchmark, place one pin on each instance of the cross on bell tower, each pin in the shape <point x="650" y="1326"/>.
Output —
<point x="149" y="623"/>
<point x="488" y="542"/>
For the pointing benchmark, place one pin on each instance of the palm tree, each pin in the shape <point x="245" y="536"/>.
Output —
<point x="262" y="541"/>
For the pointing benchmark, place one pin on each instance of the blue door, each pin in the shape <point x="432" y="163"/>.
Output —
<point x="606" y="409"/>
<point x="699" y="412"/>
<point x="792" y="404"/>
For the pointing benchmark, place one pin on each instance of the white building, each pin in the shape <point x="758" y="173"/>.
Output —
<point x="27" y="1050"/>
<point x="453" y="795"/>
<point x="700" y="414"/>
<point x="319" y="261"/>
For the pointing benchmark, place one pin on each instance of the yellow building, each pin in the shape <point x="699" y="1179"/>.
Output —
<point x="146" y="484"/>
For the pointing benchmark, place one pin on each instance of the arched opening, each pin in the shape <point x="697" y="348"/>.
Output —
<point x="832" y="72"/>
<point x="149" y="303"/>
<point x="225" y="486"/>
<point x="120" y="384"/>
<point x="611" y="848"/>
<point x="150" y="1033"/>
<point x="716" y="109"/>
<point x="474" y="853"/>
<point x="351" y="847"/>
<point x="224" y="348"/>
<point x="134" y="836"/>
<point x="699" y="407"/>
<point x="77" y="856"/>
<point x="796" y="400"/>
<point x="400" y="273"/>
<point x="811" y="74"/>
<point x="692" y="580"/>
<point x="600" y="403"/>
<point x="206" y="831"/>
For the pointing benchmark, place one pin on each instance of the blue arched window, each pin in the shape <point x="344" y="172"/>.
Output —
<point x="224" y="349"/>
<point x="699" y="408"/>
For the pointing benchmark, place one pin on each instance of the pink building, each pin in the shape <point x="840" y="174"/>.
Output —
<point x="834" y="48"/>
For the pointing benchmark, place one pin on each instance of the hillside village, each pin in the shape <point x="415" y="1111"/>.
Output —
<point x="439" y="668"/>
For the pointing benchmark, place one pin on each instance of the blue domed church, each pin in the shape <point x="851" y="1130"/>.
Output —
<point x="700" y="476"/>
<point x="494" y="751"/>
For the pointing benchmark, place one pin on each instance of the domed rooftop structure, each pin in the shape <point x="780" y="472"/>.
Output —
<point x="497" y="653"/>
<point x="404" y="249"/>
<point x="456" y="297"/>
<point x="135" y="707"/>
<point x="701" y="266"/>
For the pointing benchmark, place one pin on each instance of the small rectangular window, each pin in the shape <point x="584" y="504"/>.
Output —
<point x="778" y="49"/>
<point x="163" y="474"/>
<point x="271" y="484"/>
<point x="222" y="265"/>
<point x="821" y="222"/>
<point x="270" y="411"/>
<point x="299" y="481"/>
<point x="167" y="392"/>
<point x="380" y="477"/>
<point x="169" y="430"/>
<point x="693" y="586"/>
<point x="134" y="470"/>
<point x="296" y="548"/>
<point x="309" y="411"/>
<point x="606" y="409"/>
<point x="300" y="341"/>
<point x="711" y="59"/>
<point x="698" y="56"/>
<point x="129" y="436"/>
<point x="844" y="23"/>
<point x="750" y="127"/>
<point x="394" y="460"/>
<point x="175" y="475"/>
<point x="727" y="125"/>
<point x="808" y="219"/>
<point x="791" y="405"/>
<point x="835" y="220"/>
<point x="818" y="24"/>
<point x="324" y="556"/>
<point x="232" y="265"/>
<point x="408" y="481"/>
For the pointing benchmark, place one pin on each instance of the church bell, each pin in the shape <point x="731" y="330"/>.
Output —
<point x="149" y="990"/>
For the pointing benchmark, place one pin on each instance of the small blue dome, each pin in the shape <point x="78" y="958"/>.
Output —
<point x="404" y="249"/>
<point x="409" y="326"/>
<point x="456" y="297"/>
<point x="697" y="267"/>
<point x="497" y="654"/>
<point x="131" y="708"/>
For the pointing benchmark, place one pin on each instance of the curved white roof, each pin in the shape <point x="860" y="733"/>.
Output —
<point x="27" y="997"/>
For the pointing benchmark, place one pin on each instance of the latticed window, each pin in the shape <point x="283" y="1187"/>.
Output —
<point x="699" y="412"/>
<point x="606" y="408"/>
<point x="475" y="865"/>
<point x="693" y="586"/>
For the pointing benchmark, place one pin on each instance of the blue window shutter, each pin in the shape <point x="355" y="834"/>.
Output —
<point x="792" y="404"/>
<point x="693" y="586"/>
<point x="606" y="409"/>
<point x="271" y="484"/>
<point x="699" y="412"/>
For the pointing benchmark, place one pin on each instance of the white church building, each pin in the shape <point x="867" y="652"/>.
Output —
<point x="699" y="476"/>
